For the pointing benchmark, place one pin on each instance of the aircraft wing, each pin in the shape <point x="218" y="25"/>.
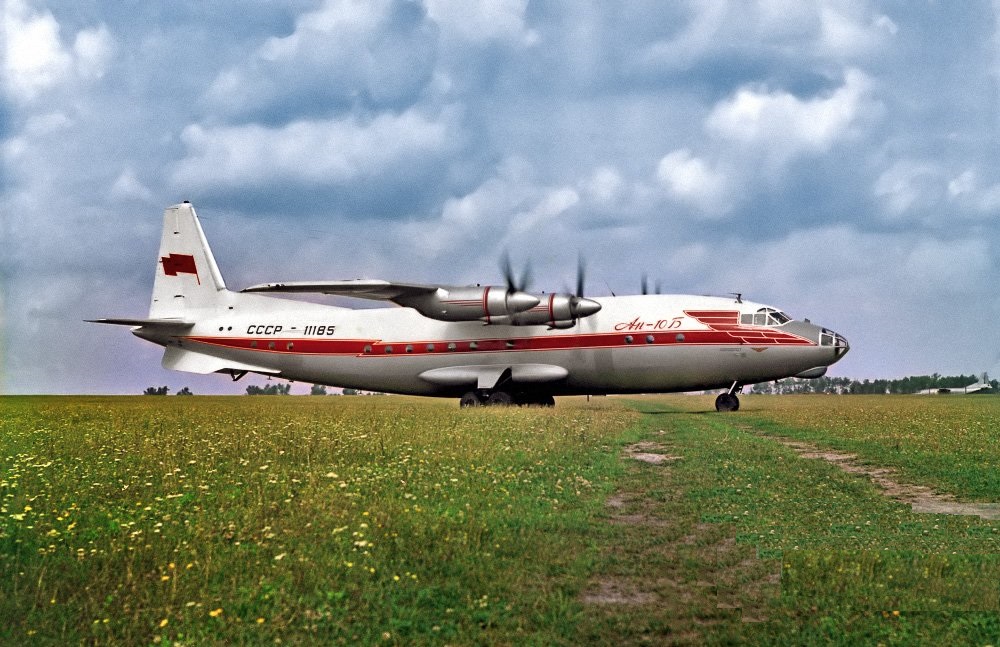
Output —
<point x="361" y="288"/>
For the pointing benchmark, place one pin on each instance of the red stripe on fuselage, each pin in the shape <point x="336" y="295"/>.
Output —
<point x="379" y="348"/>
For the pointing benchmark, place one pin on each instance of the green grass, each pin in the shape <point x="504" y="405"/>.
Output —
<point x="245" y="520"/>
<point x="408" y="521"/>
<point x="855" y="567"/>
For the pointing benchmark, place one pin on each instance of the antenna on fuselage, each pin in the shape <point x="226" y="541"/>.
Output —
<point x="738" y="295"/>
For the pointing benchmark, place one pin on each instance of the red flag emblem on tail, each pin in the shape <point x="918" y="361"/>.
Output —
<point x="175" y="264"/>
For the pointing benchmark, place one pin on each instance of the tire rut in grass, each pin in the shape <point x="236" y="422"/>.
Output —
<point x="922" y="499"/>
<point x="687" y="576"/>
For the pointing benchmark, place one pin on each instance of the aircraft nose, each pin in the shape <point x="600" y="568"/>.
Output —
<point x="836" y="340"/>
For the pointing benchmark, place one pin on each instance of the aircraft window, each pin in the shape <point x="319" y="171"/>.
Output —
<point x="290" y="346"/>
<point x="409" y="348"/>
<point x="430" y="348"/>
<point x="679" y="337"/>
<point x="388" y="350"/>
<point x="220" y="328"/>
<point x="270" y="345"/>
<point x="452" y="346"/>
<point x="229" y="328"/>
<point x="253" y="344"/>
<point x="510" y="343"/>
<point x="780" y="317"/>
<point x="473" y="345"/>
<point x="628" y="339"/>
<point x="368" y="348"/>
<point x="765" y="317"/>
<point x="649" y="339"/>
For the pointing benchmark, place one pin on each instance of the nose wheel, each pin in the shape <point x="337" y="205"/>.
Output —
<point x="729" y="401"/>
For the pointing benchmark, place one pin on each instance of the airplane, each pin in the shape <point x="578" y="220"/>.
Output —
<point x="486" y="345"/>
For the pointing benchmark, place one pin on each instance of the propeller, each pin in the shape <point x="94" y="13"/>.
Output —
<point x="508" y="274"/>
<point x="517" y="299"/>
<point x="645" y="285"/>
<point x="580" y="306"/>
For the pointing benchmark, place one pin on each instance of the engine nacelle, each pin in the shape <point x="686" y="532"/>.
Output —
<point x="472" y="303"/>
<point x="553" y="310"/>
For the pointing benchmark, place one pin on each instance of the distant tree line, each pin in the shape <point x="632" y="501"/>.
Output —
<point x="849" y="386"/>
<point x="163" y="390"/>
<point x="270" y="389"/>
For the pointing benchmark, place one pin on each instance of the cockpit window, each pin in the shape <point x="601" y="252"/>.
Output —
<point x="765" y="317"/>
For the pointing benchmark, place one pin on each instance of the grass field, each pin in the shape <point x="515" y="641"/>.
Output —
<point x="388" y="520"/>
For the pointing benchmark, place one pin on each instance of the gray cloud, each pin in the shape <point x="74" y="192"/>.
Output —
<point x="836" y="159"/>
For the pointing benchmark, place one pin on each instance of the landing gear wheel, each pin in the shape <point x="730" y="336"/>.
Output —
<point x="500" y="398"/>
<point x="534" y="400"/>
<point x="727" y="402"/>
<point x="470" y="399"/>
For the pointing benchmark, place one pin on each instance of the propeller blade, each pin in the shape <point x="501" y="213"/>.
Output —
<point x="644" y="283"/>
<point x="525" y="277"/>
<point x="581" y="275"/>
<point x="508" y="272"/>
<point x="513" y="284"/>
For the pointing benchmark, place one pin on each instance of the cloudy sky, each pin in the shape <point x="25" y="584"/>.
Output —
<point x="835" y="159"/>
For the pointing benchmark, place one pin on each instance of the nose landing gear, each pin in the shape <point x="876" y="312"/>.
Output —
<point x="728" y="401"/>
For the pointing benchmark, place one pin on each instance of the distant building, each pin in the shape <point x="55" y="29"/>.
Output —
<point x="977" y="387"/>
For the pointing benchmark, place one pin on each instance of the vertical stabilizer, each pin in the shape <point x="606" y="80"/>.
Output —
<point x="187" y="278"/>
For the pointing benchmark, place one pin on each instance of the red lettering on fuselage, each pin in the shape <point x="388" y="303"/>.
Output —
<point x="640" y="325"/>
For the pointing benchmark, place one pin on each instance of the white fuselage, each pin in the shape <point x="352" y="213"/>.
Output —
<point x="634" y="344"/>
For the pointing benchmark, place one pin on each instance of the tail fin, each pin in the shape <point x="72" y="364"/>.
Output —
<point x="187" y="278"/>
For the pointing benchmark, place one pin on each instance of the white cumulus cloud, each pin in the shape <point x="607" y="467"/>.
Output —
<point x="35" y="58"/>
<point x="484" y="21"/>
<point x="343" y="53"/>
<point x="691" y="180"/>
<point x="315" y="152"/>
<point x="781" y="124"/>
<point x="909" y="185"/>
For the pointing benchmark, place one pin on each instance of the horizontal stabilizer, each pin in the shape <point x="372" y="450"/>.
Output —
<point x="360" y="288"/>
<point x="178" y="324"/>
<point x="489" y="374"/>
<point x="178" y="359"/>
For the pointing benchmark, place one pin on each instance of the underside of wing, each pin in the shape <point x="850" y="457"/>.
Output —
<point x="361" y="288"/>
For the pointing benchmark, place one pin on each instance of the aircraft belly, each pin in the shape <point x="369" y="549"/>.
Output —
<point x="684" y="368"/>
<point x="606" y="370"/>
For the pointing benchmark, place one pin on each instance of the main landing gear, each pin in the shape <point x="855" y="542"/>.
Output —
<point x="502" y="398"/>
<point x="728" y="401"/>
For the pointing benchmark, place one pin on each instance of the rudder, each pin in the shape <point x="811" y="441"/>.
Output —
<point x="187" y="277"/>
